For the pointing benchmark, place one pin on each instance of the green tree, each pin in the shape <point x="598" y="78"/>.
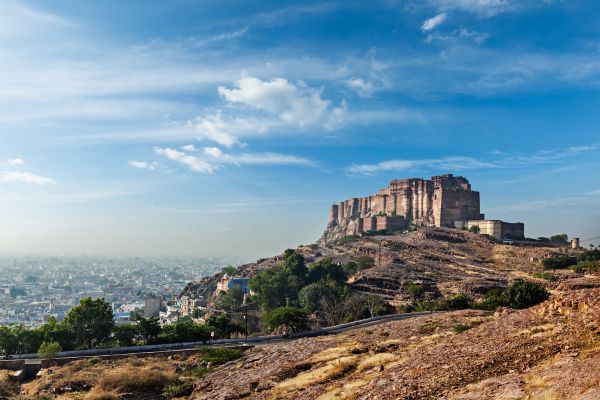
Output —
<point x="8" y="341"/>
<point x="563" y="237"/>
<point x="231" y="299"/>
<point x="311" y="296"/>
<point x="361" y="263"/>
<point x="91" y="322"/>
<point x="49" y="350"/>
<point x="414" y="290"/>
<point x="224" y="327"/>
<point x="525" y="294"/>
<point x="326" y="270"/>
<point x="185" y="330"/>
<point x="273" y="287"/>
<point x="230" y="270"/>
<point x="474" y="229"/>
<point x="375" y="306"/>
<point x="149" y="328"/>
<point x="294" y="262"/>
<point x="125" y="334"/>
<point x="292" y="318"/>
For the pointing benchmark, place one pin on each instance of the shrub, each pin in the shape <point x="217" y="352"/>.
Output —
<point x="218" y="356"/>
<point x="559" y="262"/>
<point x="49" y="350"/>
<point x="135" y="380"/>
<point x="525" y="294"/>
<point x="544" y="275"/>
<point x="492" y="300"/>
<point x="474" y="229"/>
<point x="457" y="302"/>
<point x="587" y="266"/>
<point x="415" y="290"/>
<point x="173" y="391"/>
<point x="460" y="328"/>
<point x="292" y="318"/>
<point x="312" y="296"/>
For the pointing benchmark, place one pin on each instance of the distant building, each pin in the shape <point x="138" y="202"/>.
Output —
<point x="152" y="305"/>
<point x="228" y="282"/>
<point x="498" y="229"/>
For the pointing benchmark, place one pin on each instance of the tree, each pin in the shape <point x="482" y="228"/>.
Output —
<point x="224" y="327"/>
<point x="311" y="296"/>
<point x="184" y="330"/>
<point x="415" y="290"/>
<point x="525" y="294"/>
<point x="563" y="237"/>
<point x="326" y="270"/>
<point x="8" y="341"/>
<point x="375" y="306"/>
<point x="292" y="318"/>
<point x="295" y="264"/>
<point x="91" y="322"/>
<point x="149" y="328"/>
<point x="474" y="229"/>
<point x="49" y="350"/>
<point x="361" y="263"/>
<point x="273" y="287"/>
<point x="125" y="334"/>
<point x="231" y="299"/>
<point x="230" y="270"/>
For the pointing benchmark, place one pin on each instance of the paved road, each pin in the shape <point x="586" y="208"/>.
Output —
<point x="254" y="340"/>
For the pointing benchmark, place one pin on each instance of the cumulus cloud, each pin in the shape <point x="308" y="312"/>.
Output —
<point x="25" y="177"/>
<point x="361" y="87"/>
<point x="279" y="97"/>
<point x="193" y="163"/>
<point x="143" y="164"/>
<point x="444" y="163"/>
<point x="189" y="147"/>
<point x="213" y="158"/>
<point x="433" y="22"/>
<point x="15" y="161"/>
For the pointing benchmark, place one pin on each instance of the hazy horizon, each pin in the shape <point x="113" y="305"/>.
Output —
<point x="183" y="128"/>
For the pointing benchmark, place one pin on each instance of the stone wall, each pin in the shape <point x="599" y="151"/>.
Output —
<point x="439" y="201"/>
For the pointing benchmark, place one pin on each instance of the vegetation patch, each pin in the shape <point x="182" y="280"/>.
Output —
<point x="331" y="370"/>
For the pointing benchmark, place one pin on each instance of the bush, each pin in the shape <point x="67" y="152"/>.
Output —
<point x="415" y="290"/>
<point x="590" y="255"/>
<point x="559" y="262"/>
<point x="49" y="350"/>
<point x="474" y="229"/>
<point x="588" y="266"/>
<point x="525" y="294"/>
<point x="311" y="296"/>
<point x="135" y="380"/>
<point x="460" y="328"/>
<point x="545" y="275"/>
<point x="457" y="302"/>
<point x="292" y="318"/>
<point x="218" y="356"/>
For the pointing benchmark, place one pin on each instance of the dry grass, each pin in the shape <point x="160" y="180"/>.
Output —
<point x="348" y="391"/>
<point x="537" y="331"/>
<point x="332" y="353"/>
<point x="331" y="370"/>
<point x="101" y="396"/>
<point x="376" y="360"/>
<point x="129" y="380"/>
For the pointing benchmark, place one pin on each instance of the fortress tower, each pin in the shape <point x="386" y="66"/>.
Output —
<point x="443" y="200"/>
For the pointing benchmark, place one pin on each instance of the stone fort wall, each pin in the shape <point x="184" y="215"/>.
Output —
<point x="439" y="201"/>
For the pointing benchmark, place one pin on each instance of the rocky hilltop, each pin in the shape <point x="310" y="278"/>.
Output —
<point x="442" y="260"/>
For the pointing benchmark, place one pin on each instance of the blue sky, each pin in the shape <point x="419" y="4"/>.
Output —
<point x="227" y="128"/>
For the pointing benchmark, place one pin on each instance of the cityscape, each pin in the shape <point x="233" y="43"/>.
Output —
<point x="32" y="289"/>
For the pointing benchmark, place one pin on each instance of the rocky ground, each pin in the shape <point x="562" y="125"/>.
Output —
<point x="444" y="261"/>
<point x="550" y="351"/>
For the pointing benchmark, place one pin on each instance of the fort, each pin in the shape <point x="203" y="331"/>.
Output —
<point x="442" y="201"/>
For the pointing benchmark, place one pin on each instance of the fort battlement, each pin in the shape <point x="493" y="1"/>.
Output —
<point x="443" y="201"/>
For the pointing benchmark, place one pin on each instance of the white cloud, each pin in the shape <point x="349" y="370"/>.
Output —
<point x="213" y="127"/>
<point x="361" y="87"/>
<point x="484" y="8"/>
<point x="194" y="163"/>
<point x="15" y="161"/>
<point x="293" y="104"/>
<point x="189" y="147"/>
<point x="213" y="151"/>
<point x="445" y="163"/>
<point x="433" y="22"/>
<point x="143" y="164"/>
<point x="25" y="177"/>
<point x="213" y="158"/>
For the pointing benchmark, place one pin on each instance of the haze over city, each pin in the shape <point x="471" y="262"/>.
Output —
<point x="228" y="128"/>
